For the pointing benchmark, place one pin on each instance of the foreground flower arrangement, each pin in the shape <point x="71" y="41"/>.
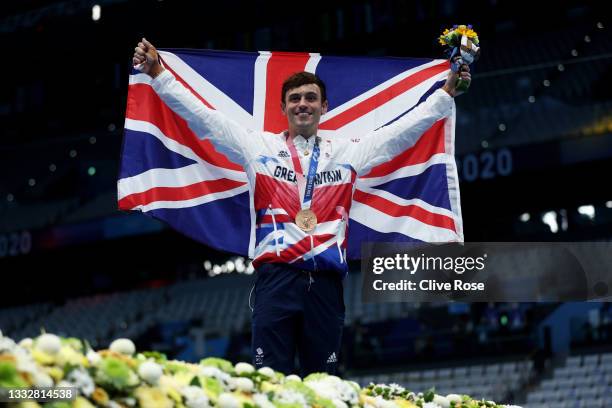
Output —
<point x="120" y="377"/>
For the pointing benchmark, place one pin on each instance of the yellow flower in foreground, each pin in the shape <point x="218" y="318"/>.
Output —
<point x="175" y="395"/>
<point x="42" y="358"/>
<point x="100" y="396"/>
<point x="68" y="355"/>
<point x="366" y="399"/>
<point x="183" y="378"/>
<point x="28" y="404"/>
<point x="81" y="402"/>
<point x="168" y="382"/>
<point x="403" y="403"/>
<point x="267" y="386"/>
<point x="245" y="399"/>
<point x="56" y="373"/>
<point x="152" y="398"/>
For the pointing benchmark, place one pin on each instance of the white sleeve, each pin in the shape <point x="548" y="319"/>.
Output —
<point x="228" y="137"/>
<point x="384" y="144"/>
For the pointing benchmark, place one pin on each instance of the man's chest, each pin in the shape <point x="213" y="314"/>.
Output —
<point x="325" y="166"/>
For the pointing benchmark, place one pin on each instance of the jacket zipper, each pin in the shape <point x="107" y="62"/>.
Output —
<point x="275" y="231"/>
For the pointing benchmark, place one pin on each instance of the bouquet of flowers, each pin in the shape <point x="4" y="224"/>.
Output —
<point x="462" y="48"/>
<point x="120" y="377"/>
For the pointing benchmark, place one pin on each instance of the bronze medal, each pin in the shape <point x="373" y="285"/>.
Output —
<point x="306" y="220"/>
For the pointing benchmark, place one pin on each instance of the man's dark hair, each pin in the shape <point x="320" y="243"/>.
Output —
<point x="303" y="78"/>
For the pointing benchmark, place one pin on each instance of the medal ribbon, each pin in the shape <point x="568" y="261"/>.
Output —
<point x="308" y="184"/>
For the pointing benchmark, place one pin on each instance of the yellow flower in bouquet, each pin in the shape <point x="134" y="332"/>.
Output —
<point x="174" y="395"/>
<point x="461" y="29"/>
<point x="445" y="37"/>
<point x="55" y="372"/>
<point x="452" y="36"/>
<point x="43" y="358"/>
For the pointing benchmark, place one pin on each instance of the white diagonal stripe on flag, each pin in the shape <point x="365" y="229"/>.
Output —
<point x="185" y="151"/>
<point x="208" y="91"/>
<point x="181" y="177"/>
<point x="193" y="201"/>
<point x="403" y="202"/>
<point x="259" y="89"/>
<point x="390" y="110"/>
<point x="311" y="65"/>
<point x="376" y="90"/>
<point x="381" y="222"/>
<point x="406" y="171"/>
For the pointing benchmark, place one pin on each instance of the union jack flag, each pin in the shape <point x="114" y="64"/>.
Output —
<point x="170" y="174"/>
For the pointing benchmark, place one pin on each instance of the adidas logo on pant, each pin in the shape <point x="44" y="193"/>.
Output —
<point x="332" y="358"/>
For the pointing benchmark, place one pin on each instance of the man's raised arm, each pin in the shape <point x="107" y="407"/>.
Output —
<point x="229" y="137"/>
<point x="387" y="142"/>
<point x="147" y="59"/>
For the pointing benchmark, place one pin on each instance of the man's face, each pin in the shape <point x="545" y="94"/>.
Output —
<point x="303" y="107"/>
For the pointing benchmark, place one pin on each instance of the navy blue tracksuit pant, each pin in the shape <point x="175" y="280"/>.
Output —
<point x="297" y="311"/>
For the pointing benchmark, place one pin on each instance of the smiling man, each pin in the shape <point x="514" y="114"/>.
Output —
<point x="301" y="186"/>
<point x="303" y="101"/>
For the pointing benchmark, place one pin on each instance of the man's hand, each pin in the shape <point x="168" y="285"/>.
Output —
<point x="146" y="54"/>
<point x="453" y="77"/>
